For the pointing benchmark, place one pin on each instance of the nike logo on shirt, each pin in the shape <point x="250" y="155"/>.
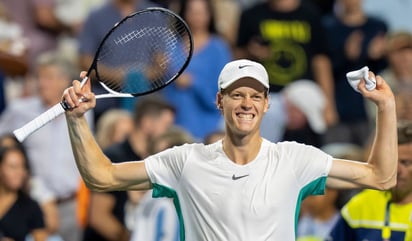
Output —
<point x="234" y="177"/>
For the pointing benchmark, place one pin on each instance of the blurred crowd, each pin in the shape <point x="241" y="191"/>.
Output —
<point x="307" y="47"/>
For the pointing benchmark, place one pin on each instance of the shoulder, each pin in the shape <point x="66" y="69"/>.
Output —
<point x="376" y="21"/>
<point x="364" y="198"/>
<point x="25" y="202"/>
<point x="368" y="204"/>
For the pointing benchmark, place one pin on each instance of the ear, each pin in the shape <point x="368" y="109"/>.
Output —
<point x="267" y="104"/>
<point x="219" y="101"/>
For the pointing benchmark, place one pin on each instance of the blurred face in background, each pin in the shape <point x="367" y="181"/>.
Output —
<point x="296" y="118"/>
<point x="404" y="178"/>
<point x="157" y="125"/>
<point x="197" y="14"/>
<point x="401" y="60"/>
<point x="13" y="170"/>
<point x="51" y="83"/>
<point x="399" y="55"/>
<point x="350" y="5"/>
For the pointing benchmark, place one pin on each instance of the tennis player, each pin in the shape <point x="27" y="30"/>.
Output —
<point x="242" y="187"/>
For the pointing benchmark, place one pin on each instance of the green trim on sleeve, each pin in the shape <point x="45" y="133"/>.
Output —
<point x="163" y="191"/>
<point x="316" y="187"/>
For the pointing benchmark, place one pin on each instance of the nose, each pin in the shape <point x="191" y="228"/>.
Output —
<point x="247" y="102"/>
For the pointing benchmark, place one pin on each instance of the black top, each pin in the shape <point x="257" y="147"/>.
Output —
<point x="294" y="38"/>
<point x="21" y="219"/>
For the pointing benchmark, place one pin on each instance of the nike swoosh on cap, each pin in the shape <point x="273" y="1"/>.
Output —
<point x="243" y="66"/>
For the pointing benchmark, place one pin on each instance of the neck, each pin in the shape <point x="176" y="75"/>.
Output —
<point x="242" y="150"/>
<point x="200" y="39"/>
<point x="7" y="195"/>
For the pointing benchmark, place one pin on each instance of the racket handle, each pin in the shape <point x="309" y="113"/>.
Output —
<point x="23" y="132"/>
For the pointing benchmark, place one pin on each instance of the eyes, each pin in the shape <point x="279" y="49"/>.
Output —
<point x="405" y="163"/>
<point x="241" y="96"/>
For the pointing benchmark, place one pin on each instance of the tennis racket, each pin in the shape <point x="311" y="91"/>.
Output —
<point x="142" y="53"/>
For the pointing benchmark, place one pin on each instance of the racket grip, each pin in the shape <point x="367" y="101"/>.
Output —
<point x="35" y="124"/>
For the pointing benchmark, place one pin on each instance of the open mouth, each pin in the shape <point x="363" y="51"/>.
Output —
<point x="244" y="116"/>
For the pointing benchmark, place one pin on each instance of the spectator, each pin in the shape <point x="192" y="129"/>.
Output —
<point x="21" y="215"/>
<point x="155" y="219"/>
<point x="287" y="37"/>
<point x="320" y="217"/>
<point x="113" y="127"/>
<point x="51" y="157"/>
<point x="152" y="117"/>
<point x="355" y="40"/>
<point x="38" y="191"/>
<point x="227" y="19"/>
<point x="194" y="91"/>
<point x="300" y="104"/>
<point x="96" y="25"/>
<point x="399" y="72"/>
<point x="13" y="53"/>
<point x="40" y="25"/>
<point x="381" y="215"/>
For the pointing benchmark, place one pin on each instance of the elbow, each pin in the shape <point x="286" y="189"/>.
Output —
<point x="98" y="186"/>
<point x="99" y="181"/>
<point x="387" y="184"/>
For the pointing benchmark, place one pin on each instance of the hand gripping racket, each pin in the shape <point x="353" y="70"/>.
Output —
<point x="142" y="53"/>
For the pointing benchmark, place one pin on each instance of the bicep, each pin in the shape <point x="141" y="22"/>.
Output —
<point x="131" y="176"/>
<point x="349" y="174"/>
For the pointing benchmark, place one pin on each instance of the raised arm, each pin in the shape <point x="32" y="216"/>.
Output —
<point x="96" y="169"/>
<point x="379" y="172"/>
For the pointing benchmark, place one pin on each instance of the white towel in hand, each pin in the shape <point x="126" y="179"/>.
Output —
<point x="355" y="76"/>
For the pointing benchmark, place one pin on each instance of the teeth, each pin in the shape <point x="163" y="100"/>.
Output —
<point x="246" y="116"/>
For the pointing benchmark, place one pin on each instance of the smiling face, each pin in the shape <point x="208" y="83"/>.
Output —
<point x="243" y="105"/>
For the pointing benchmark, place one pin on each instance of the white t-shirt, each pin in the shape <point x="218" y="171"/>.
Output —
<point x="217" y="199"/>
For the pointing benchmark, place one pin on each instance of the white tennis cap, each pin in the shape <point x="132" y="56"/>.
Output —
<point x="242" y="68"/>
<point x="310" y="99"/>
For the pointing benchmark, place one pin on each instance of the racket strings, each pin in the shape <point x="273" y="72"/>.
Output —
<point x="144" y="53"/>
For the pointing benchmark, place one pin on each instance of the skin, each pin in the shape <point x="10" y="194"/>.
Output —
<point x="243" y="105"/>
<point x="13" y="174"/>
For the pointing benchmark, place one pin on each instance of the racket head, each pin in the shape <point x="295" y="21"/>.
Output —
<point x="143" y="53"/>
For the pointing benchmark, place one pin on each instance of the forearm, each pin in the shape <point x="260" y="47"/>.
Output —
<point x="93" y="165"/>
<point x="383" y="155"/>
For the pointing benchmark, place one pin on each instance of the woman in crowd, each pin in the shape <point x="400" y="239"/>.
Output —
<point x="20" y="215"/>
